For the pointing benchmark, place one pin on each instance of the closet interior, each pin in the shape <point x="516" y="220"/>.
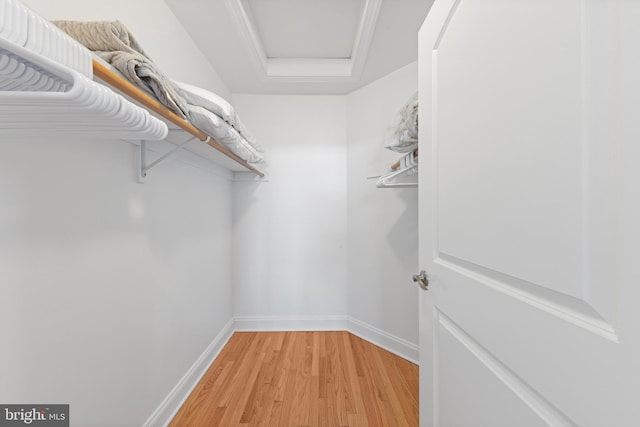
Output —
<point x="122" y="294"/>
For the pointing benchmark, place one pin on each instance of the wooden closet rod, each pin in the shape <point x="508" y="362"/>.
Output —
<point x="106" y="75"/>
<point x="396" y="165"/>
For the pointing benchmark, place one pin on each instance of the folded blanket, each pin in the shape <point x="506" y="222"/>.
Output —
<point x="114" y="43"/>
<point x="224" y="133"/>
<point x="197" y="96"/>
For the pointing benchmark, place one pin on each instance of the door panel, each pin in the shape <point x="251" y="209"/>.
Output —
<point x="522" y="201"/>
<point x="476" y="377"/>
<point x="484" y="212"/>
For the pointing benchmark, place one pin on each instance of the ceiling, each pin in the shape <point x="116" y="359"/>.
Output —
<point x="303" y="46"/>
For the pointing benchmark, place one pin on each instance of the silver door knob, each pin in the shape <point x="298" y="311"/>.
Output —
<point x="422" y="280"/>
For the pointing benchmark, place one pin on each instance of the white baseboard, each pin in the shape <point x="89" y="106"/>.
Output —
<point x="396" y="345"/>
<point x="290" y="323"/>
<point x="164" y="413"/>
<point x="389" y="342"/>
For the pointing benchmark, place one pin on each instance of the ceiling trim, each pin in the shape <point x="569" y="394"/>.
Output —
<point x="306" y="69"/>
<point x="364" y="35"/>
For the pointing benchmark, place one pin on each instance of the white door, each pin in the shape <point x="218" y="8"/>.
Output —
<point x="530" y="213"/>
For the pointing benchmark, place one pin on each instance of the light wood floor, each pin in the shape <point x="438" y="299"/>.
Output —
<point x="289" y="379"/>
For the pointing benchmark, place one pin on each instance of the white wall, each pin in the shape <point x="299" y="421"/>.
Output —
<point x="110" y="289"/>
<point x="318" y="239"/>
<point x="382" y="223"/>
<point x="156" y="29"/>
<point x="290" y="232"/>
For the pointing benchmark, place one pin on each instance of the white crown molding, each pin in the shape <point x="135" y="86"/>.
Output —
<point x="248" y="32"/>
<point x="319" y="70"/>
<point x="364" y="36"/>
<point x="308" y="67"/>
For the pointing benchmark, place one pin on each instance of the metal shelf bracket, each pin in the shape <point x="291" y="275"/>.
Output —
<point x="144" y="167"/>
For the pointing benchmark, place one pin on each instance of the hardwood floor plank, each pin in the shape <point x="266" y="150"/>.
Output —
<point x="315" y="361"/>
<point x="199" y="409"/>
<point x="393" y="402"/>
<point x="239" y="396"/>
<point x="407" y="407"/>
<point x="261" y="397"/>
<point x="303" y="379"/>
<point x="359" y="412"/>
<point x="371" y="395"/>
<point x="300" y="411"/>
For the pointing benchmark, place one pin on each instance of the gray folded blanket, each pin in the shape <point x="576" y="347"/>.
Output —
<point x="114" y="43"/>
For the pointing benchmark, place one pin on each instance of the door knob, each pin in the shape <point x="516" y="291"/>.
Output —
<point x="422" y="280"/>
